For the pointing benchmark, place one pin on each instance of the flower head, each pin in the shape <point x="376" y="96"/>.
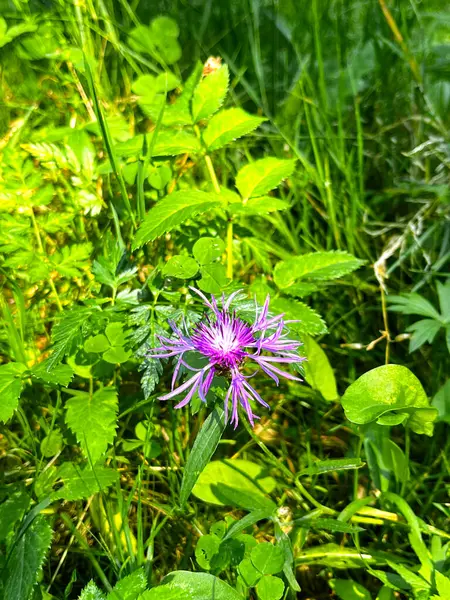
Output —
<point x="228" y="344"/>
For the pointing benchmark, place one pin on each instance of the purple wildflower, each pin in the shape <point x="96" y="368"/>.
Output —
<point x="228" y="343"/>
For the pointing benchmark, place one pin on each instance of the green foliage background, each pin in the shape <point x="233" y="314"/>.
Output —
<point x="299" y="149"/>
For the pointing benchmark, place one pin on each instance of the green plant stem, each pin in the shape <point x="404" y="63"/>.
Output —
<point x="42" y="251"/>
<point x="216" y="186"/>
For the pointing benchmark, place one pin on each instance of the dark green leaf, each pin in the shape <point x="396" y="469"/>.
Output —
<point x="204" y="447"/>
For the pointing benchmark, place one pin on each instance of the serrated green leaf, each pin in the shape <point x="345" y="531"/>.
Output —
<point x="214" y="278"/>
<point x="258" y="206"/>
<point x="93" y="420"/>
<point x="207" y="250"/>
<point x="69" y="260"/>
<point x="261" y="176"/>
<point x="59" y="375"/>
<point x="310" y="322"/>
<point x="171" y="212"/>
<point x="91" y="592"/>
<point x="318" y="371"/>
<point x="12" y="511"/>
<point x="385" y="389"/>
<point x="210" y="93"/>
<point x="130" y="587"/>
<point x="26" y="560"/>
<point x="66" y="332"/>
<point x="315" y="266"/>
<point x="228" y="125"/>
<point x="10" y="388"/>
<point x="204" y="447"/>
<point x="181" y="266"/>
<point x="83" y="482"/>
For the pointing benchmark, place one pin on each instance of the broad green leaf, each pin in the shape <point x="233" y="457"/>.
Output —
<point x="228" y="125"/>
<point x="52" y="444"/>
<point x="347" y="589"/>
<point x="261" y="176"/>
<point x="258" y="206"/>
<point x="249" y="573"/>
<point x="442" y="402"/>
<point x="309" y="322"/>
<point x="318" y="371"/>
<point x="386" y="389"/>
<point x="12" y="511"/>
<point x="67" y="332"/>
<point x="59" y="375"/>
<point x="300" y="290"/>
<point x="240" y="475"/>
<point x="214" y="278"/>
<point x="332" y="464"/>
<point x="186" y="585"/>
<point x="243" y="498"/>
<point x="83" y="482"/>
<point x="444" y="299"/>
<point x="204" y="447"/>
<point x="270" y="588"/>
<point x="315" y="266"/>
<point x="267" y="558"/>
<point x="25" y="563"/>
<point x="181" y="266"/>
<point x="424" y="331"/>
<point x="413" y="304"/>
<point x="97" y="343"/>
<point x="172" y="211"/>
<point x="91" y="592"/>
<point x="206" y="250"/>
<point x="10" y="388"/>
<point x="93" y="420"/>
<point x="210" y="93"/>
<point x="130" y="587"/>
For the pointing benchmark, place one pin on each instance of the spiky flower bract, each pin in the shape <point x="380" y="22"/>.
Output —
<point x="228" y="344"/>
